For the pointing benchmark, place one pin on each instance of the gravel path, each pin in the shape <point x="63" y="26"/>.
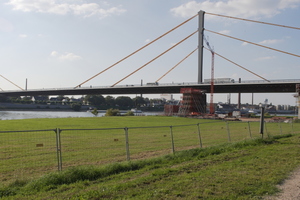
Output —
<point x="290" y="188"/>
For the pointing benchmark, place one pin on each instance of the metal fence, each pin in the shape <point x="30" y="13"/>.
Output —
<point x="26" y="154"/>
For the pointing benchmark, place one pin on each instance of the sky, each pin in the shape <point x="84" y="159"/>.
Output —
<point x="62" y="43"/>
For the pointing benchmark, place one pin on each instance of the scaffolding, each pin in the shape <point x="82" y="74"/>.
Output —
<point x="170" y="110"/>
<point x="193" y="102"/>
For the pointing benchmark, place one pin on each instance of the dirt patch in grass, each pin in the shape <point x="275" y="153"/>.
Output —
<point x="290" y="188"/>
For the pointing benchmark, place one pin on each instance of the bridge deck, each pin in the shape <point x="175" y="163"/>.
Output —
<point x="244" y="87"/>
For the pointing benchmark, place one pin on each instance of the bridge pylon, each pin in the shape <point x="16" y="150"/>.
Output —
<point x="200" y="45"/>
<point x="298" y="98"/>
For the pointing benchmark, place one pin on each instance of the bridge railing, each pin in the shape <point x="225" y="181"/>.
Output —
<point x="163" y="84"/>
<point x="195" y="83"/>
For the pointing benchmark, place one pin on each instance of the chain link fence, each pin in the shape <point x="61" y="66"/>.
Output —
<point x="32" y="153"/>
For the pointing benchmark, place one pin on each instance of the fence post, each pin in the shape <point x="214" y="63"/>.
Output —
<point x="172" y="140"/>
<point x="127" y="144"/>
<point x="200" y="140"/>
<point x="280" y="127"/>
<point x="249" y="128"/>
<point x="58" y="149"/>
<point x="228" y="131"/>
<point x="266" y="129"/>
<point x="261" y="127"/>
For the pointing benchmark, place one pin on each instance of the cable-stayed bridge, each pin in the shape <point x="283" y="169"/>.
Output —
<point x="263" y="86"/>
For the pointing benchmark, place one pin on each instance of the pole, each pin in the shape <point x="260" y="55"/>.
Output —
<point x="199" y="136"/>
<point x="228" y="132"/>
<point x="172" y="140"/>
<point x="127" y="144"/>
<point x="298" y="96"/>
<point x="200" y="46"/>
<point x="239" y="96"/>
<point x="141" y="85"/>
<point x="58" y="149"/>
<point x="262" y="113"/>
<point x="249" y="128"/>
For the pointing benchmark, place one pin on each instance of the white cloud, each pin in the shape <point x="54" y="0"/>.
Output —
<point x="69" y="56"/>
<point x="65" y="56"/>
<point x="226" y="32"/>
<point x="55" y="7"/>
<point x="147" y="40"/>
<point x="265" y="58"/>
<point x="270" y="41"/>
<point x="23" y="36"/>
<point x="237" y="8"/>
<point x="54" y="53"/>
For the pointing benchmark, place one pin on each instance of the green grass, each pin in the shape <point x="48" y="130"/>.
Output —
<point x="92" y="122"/>
<point x="23" y="159"/>
<point x="244" y="170"/>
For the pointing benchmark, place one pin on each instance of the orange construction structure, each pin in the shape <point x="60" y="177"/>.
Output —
<point x="171" y="110"/>
<point x="193" y="103"/>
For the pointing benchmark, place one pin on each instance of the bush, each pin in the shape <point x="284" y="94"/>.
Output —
<point x="129" y="113"/>
<point x="76" y="106"/>
<point x="112" y="112"/>
<point x="95" y="112"/>
<point x="297" y="121"/>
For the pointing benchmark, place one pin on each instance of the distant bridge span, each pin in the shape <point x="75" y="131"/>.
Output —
<point x="280" y="86"/>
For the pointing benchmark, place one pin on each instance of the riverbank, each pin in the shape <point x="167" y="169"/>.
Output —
<point x="37" y="107"/>
<point x="35" y="114"/>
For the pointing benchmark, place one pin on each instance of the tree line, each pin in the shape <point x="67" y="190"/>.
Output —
<point x="95" y="101"/>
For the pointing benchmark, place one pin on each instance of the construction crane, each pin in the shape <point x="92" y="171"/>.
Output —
<point x="211" y="105"/>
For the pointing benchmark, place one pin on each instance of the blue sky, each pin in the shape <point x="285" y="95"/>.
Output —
<point x="61" y="43"/>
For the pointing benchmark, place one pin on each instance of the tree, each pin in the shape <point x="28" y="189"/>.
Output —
<point x="124" y="101"/>
<point x="139" y="101"/>
<point x="60" y="97"/>
<point x="27" y="100"/>
<point x="76" y="106"/>
<point x="110" y="101"/>
<point x="4" y="98"/>
<point x="95" y="100"/>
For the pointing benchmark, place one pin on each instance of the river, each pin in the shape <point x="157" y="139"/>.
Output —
<point x="10" y="115"/>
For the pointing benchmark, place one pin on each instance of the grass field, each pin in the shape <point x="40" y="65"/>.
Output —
<point x="33" y="153"/>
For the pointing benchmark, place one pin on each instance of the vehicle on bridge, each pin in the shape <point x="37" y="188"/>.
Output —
<point x="154" y="83"/>
<point x="220" y="80"/>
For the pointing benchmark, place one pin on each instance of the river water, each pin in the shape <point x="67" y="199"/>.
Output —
<point x="10" y="115"/>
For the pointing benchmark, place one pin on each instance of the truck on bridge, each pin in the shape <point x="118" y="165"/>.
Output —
<point x="220" y="80"/>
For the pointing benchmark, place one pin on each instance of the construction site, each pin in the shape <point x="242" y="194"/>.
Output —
<point x="193" y="103"/>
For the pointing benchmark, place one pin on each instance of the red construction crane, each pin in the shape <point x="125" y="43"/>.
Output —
<point x="211" y="105"/>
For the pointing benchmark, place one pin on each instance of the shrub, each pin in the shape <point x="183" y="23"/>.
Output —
<point x="95" y="112"/>
<point x="297" y="121"/>
<point x="76" y="106"/>
<point x="129" y="113"/>
<point x="112" y="112"/>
